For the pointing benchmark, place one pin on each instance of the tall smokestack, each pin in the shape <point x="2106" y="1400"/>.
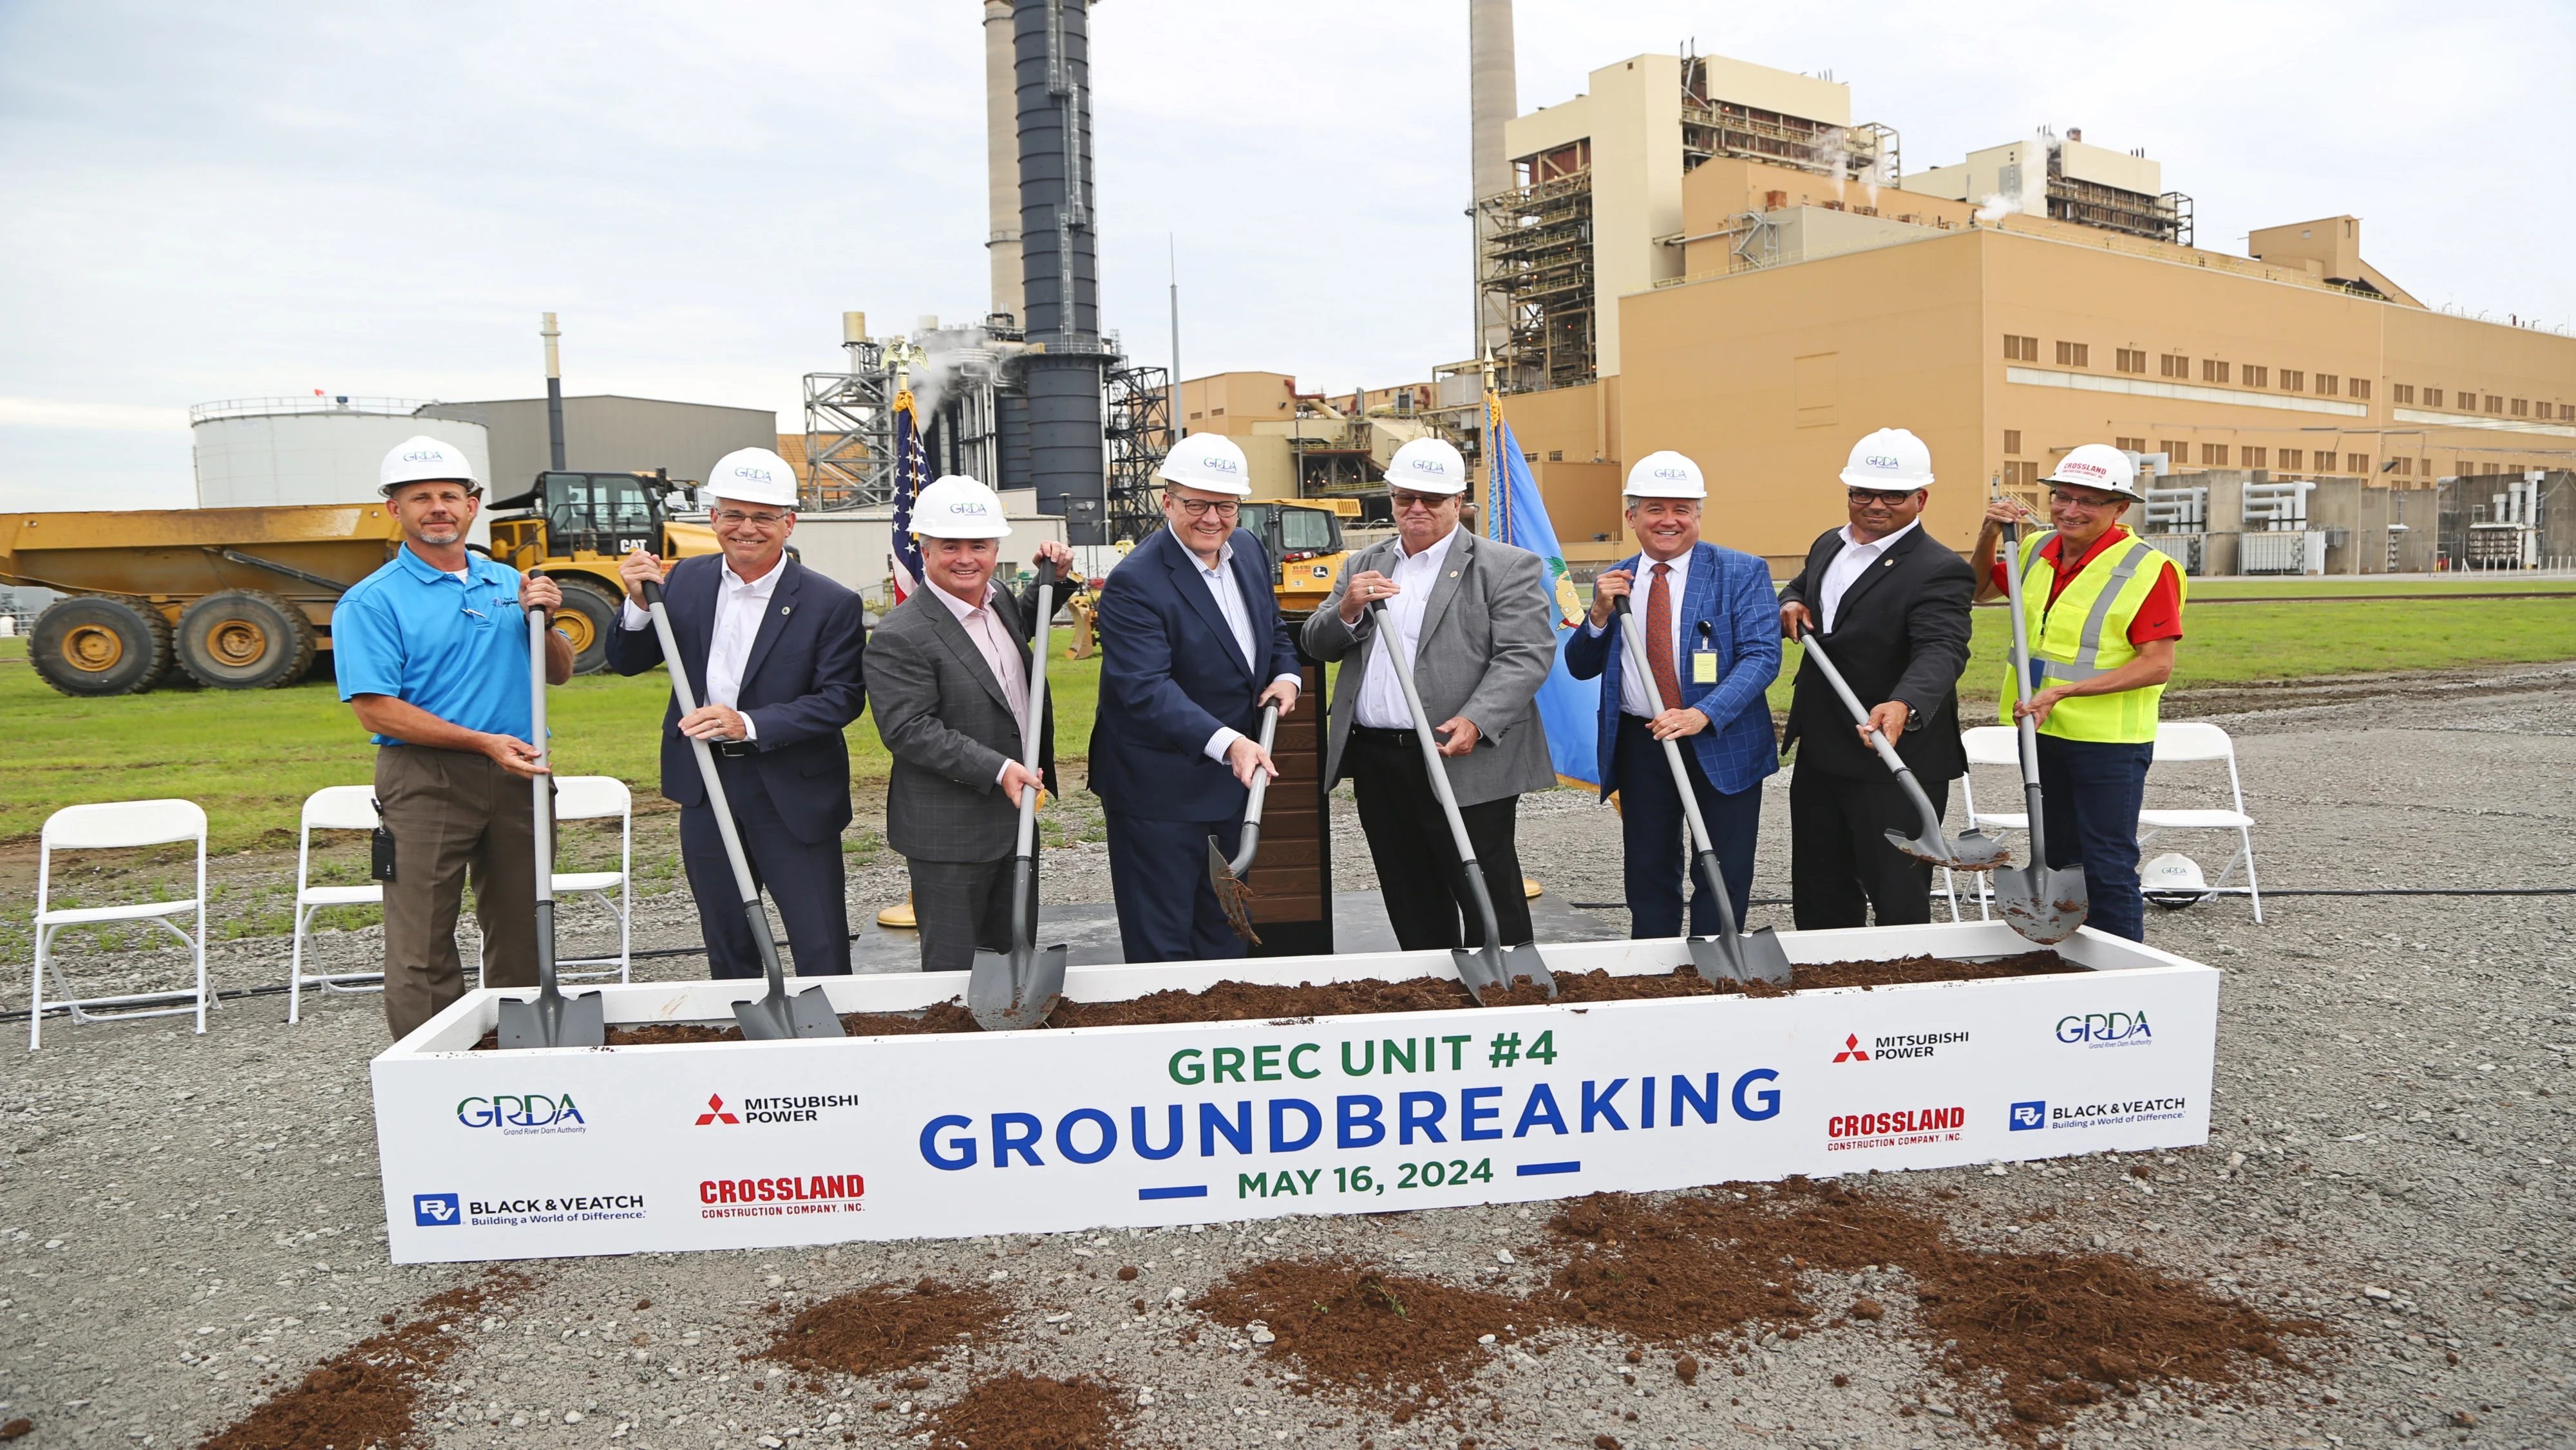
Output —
<point x="1060" y="280"/>
<point x="1493" y="97"/>
<point x="1002" y="157"/>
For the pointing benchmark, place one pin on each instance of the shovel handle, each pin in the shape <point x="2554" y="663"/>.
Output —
<point x="2029" y="729"/>
<point x="1390" y="638"/>
<point x="744" y="889"/>
<point x="1703" y="850"/>
<point x="540" y="807"/>
<point x="1251" y="841"/>
<point x="1886" y="752"/>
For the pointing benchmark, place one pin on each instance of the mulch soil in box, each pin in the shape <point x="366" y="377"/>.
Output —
<point x="886" y="1326"/>
<point x="1023" y="1412"/>
<point x="366" y="1394"/>
<point x="1388" y="1338"/>
<point x="1232" y="1001"/>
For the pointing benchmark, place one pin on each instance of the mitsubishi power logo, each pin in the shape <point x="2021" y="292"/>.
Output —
<point x="1852" y="1050"/>
<point x="716" y="1113"/>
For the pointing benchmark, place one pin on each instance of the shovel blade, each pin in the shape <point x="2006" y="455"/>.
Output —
<point x="1708" y="957"/>
<point x="1231" y="894"/>
<point x="1973" y="851"/>
<point x="1481" y="970"/>
<point x="2044" y="906"/>
<point x="1524" y="961"/>
<point x="573" y="1022"/>
<point x="1765" y="960"/>
<point x="1015" y="991"/>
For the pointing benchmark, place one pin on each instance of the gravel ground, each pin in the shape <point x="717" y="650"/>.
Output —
<point x="182" y="1218"/>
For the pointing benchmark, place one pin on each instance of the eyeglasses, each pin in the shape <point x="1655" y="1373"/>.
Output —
<point x="2063" y="499"/>
<point x="1880" y="496"/>
<point x="1401" y="500"/>
<point x="736" y="518"/>
<point x="1198" y="508"/>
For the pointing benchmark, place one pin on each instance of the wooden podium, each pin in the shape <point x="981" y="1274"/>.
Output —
<point x="1292" y="876"/>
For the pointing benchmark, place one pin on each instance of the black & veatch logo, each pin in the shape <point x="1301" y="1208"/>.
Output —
<point x="563" y="1208"/>
<point x="2107" y="1115"/>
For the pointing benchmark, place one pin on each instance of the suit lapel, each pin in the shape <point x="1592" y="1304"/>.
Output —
<point x="1699" y="602"/>
<point x="1186" y="578"/>
<point x="698" y="645"/>
<point x="773" y="619"/>
<point x="1870" y="576"/>
<point x="952" y="635"/>
<point x="1462" y="553"/>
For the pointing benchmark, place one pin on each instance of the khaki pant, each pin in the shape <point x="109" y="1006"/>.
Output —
<point x="453" y="814"/>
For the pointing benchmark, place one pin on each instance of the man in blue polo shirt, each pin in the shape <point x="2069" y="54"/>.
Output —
<point x="431" y="652"/>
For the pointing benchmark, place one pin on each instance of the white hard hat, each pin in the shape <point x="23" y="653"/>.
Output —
<point x="420" y="458"/>
<point x="957" y="507"/>
<point x="1665" y="475"/>
<point x="753" y="475"/>
<point x="2173" y="881"/>
<point x="2098" y="465"/>
<point x="1208" y="461"/>
<point x="1427" y="465"/>
<point x="1891" y="460"/>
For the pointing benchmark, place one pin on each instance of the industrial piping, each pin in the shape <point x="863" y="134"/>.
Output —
<point x="1059" y="273"/>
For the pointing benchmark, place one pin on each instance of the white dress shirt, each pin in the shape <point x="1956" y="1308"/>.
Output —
<point x="1237" y="615"/>
<point x="1638" y="696"/>
<point x="1846" y="569"/>
<point x="740" y="607"/>
<point x="983" y="624"/>
<point x="1381" y="703"/>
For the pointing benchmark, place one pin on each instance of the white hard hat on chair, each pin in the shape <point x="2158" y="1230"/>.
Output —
<point x="1665" y="475"/>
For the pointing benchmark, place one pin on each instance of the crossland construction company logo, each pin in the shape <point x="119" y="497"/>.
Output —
<point x="2029" y="1116"/>
<point x="805" y="1109"/>
<point x="1901" y="1128"/>
<point x="781" y="1197"/>
<point x="1898" y="1047"/>
<point x="2106" y="1029"/>
<point x="518" y="1114"/>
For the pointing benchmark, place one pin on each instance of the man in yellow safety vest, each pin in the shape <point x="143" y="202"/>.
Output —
<point x="2103" y="632"/>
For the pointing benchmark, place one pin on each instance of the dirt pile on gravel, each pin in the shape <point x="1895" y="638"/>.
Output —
<point x="366" y="1394"/>
<point x="1388" y="1338"/>
<point x="1021" y="1412"/>
<point x="885" y="1326"/>
<point x="2035" y="1332"/>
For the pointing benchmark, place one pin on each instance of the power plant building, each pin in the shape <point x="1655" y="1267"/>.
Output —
<point x="1703" y="255"/>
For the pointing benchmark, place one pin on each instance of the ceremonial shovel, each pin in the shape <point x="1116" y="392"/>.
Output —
<point x="775" y="1016"/>
<point x="552" y="1019"/>
<point x="1734" y="954"/>
<point x="1975" y="851"/>
<point x="2045" y="904"/>
<point x="1225" y="877"/>
<point x="1489" y="967"/>
<point x="1018" y="990"/>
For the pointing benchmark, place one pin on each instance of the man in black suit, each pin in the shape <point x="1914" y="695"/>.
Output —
<point x="1891" y="608"/>
<point x="773" y="651"/>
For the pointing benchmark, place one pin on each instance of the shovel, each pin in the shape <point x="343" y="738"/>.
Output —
<point x="1488" y="968"/>
<point x="1018" y="990"/>
<point x="2045" y="904"/>
<point x="1975" y="850"/>
<point x="776" y="1016"/>
<point x="552" y="1019"/>
<point x="1734" y="954"/>
<point x="1225" y="877"/>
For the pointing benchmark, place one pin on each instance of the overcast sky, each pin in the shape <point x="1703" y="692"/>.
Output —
<point x="203" y="201"/>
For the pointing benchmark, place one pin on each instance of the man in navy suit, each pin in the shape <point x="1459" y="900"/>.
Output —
<point x="1712" y="632"/>
<point x="1191" y="648"/>
<point x="773" y="653"/>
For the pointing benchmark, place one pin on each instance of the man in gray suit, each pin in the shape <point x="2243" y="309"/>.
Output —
<point x="948" y="671"/>
<point x="1472" y="614"/>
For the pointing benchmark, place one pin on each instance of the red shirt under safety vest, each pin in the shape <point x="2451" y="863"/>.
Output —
<point x="2160" y="617"/>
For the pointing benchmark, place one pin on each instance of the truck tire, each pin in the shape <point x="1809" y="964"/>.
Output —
<point x="589" y="612"/>
<point x="245" y="639"/>
<point x="100" y="644"/>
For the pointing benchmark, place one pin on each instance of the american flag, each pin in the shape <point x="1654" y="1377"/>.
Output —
<point x="911" y="471"/>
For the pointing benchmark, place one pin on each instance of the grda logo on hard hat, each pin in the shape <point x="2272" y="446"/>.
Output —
<point x="1220" y="463"/>
<point x="1670" y="472"/>
<point x="966" y="507"/>
<point x="428" y="455"/>
<point x="1881" y="460"/>
<point x="749" y="471"/>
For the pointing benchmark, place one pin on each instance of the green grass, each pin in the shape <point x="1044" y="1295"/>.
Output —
<point x="2451" y="584"/>
<point x="2242" y="642"/>
<point x="250" y="757"/>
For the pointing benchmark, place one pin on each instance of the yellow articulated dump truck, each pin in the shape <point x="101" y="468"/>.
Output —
<point x="241" y="598"/>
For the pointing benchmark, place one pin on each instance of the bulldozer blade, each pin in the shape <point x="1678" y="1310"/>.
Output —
<point x="563" y="1022"/>
<point x="1015" y="991"/>
<point x="1523" y="961"/>
<point x="1231" y="893"/>
<point x="2043" y="904"/>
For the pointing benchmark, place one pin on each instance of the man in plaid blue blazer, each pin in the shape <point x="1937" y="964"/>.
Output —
<point x="1712" y="635"/>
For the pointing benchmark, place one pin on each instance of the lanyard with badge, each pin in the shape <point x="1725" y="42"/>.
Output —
<point x="1704" y="659"/>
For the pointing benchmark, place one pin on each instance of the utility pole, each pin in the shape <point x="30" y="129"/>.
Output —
<point x="1172" y="255"/>
<point x="554" y="393"/>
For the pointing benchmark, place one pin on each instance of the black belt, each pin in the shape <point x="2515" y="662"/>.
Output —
<point x="1374" y="735"/>
<point x="731" y="749"/>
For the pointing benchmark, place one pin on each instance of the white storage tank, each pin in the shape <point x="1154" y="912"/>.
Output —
<point x="255" y="451"/>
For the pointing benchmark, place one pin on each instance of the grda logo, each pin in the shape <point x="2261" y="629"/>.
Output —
<point x="2106" y="1029"/>
<point x="515" y="1113"/>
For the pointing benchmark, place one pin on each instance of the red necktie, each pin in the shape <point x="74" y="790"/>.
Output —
<point x="1659" y="639"/>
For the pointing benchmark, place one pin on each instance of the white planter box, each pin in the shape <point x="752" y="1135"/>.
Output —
<point x="492" y="1155"/>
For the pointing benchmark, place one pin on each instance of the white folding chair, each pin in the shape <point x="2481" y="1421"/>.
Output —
<point x="2185" y="741"/>
<point x="1991" y="745"/>
<point x="596" y="798"/>
<point x="332" y="808"/>
<point x="108" y="827"/>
